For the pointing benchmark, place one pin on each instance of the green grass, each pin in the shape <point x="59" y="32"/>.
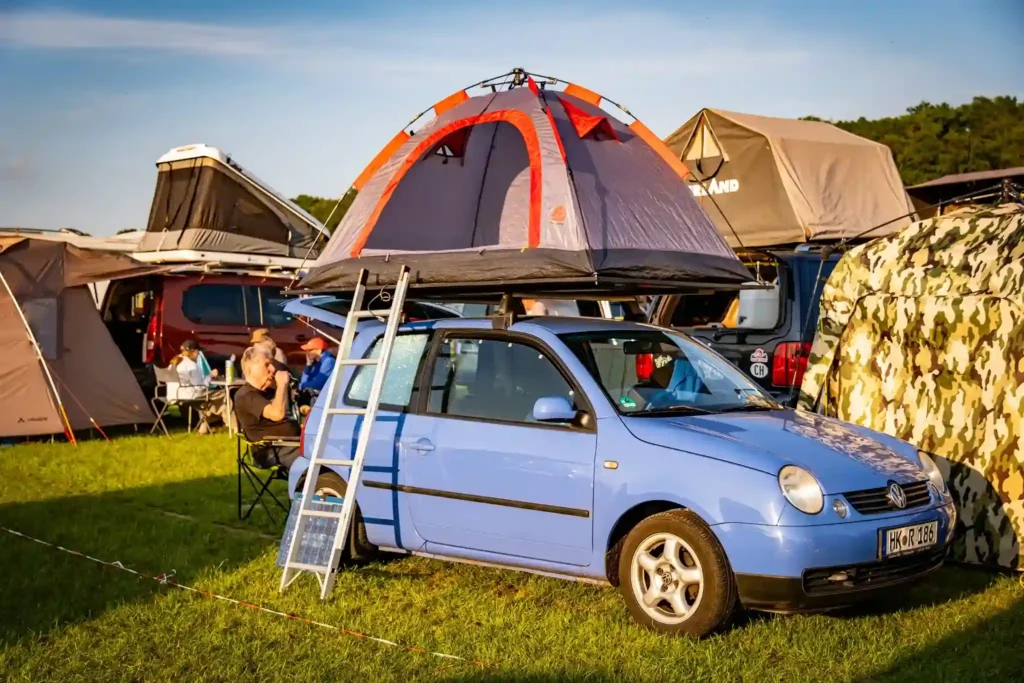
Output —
<point x="158" y="504"/>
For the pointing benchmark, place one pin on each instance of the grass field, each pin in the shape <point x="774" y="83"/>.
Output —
<point x="157" y="504"/>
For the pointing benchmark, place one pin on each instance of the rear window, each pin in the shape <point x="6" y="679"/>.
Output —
<point x="214" y="305"/>
<point x="809" y="287"/>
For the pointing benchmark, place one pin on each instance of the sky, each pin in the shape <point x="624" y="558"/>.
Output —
<point x="304" y="94"/>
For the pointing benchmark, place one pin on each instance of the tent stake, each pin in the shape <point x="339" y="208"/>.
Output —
<point x="39" y="353"/>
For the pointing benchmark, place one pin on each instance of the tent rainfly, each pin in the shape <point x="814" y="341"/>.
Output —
<point x="772" y="182"/>
<point x="921" y="336"/>
<point x="525" y="187"/>
<point x="60" y="370"/>
<point x="206" y="202"/>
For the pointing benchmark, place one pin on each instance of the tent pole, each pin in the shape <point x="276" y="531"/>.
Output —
<point x="39" y="354"/>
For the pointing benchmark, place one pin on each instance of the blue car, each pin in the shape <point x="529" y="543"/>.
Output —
<point x="626" y="454"/>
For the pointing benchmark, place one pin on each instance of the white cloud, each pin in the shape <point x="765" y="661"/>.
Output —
<point x="68" y="30"/>
<point x="472" y="41"/>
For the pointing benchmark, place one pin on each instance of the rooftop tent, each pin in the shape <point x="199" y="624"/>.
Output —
<point x="81" y="380"/>
<point x="921" y="336"/>
<point x="530" y="186"/>
<point x="206" y="202"/>
<point x="770" y="181"/>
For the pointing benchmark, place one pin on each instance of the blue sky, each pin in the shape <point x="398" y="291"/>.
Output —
<point x="305" y="93"/>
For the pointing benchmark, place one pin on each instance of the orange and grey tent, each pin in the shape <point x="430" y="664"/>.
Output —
<point x="60" y="371"/>
<point x="530" y="186"/>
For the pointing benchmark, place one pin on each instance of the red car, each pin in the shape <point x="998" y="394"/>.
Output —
<point x="149" y="317"/>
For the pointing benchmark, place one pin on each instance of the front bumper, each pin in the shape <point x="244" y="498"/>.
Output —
<point x="818" y="567"/>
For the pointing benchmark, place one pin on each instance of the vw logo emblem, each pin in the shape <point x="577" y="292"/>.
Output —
<point x="896" y="496"/>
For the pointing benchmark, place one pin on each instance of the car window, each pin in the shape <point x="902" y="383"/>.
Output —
<point x="214" y="304"/>
<point x="493" y="379"/>
<point x="397" y="392"/>
<point x="651" y="371"/>
<point x="809" y="288"/>
<point x="273" y="313"/>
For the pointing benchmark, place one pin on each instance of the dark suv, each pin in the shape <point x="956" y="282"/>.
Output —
<point x="770" y="331"/>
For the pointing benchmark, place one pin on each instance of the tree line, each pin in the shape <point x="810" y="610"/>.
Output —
<point x="927" y="142"/>
<point x="933" y="140"/>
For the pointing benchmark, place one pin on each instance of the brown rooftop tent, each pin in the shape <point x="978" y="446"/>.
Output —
<point x="205" y="201"/>
<point x="527" y="187"/>
<point x="59" y="368"/>
<point x="770" y="181"/>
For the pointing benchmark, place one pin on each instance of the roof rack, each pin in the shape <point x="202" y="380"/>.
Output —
<point x="219" y="258"/>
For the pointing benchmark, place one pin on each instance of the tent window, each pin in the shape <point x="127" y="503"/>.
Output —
<point x="453" y="146"/>
<point x="42" y="316"/>
<point x="588" y="126"/>
<point x="703" y="144"/>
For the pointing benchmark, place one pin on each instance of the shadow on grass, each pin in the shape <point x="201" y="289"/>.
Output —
<point x="153" y="529"/>
<point x="989" y="651"/>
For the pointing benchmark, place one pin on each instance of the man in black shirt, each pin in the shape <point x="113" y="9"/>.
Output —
<point x="261" y="406"/>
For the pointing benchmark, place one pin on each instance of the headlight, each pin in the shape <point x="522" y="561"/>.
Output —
<point x="801" y="489"/>
<point x="932" y="470"/>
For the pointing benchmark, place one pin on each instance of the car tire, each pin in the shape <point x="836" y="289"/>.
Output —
<point x="358" y="548"/>
<point x="694" y="594"/>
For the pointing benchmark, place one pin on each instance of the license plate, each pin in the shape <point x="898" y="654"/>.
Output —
<point x="907" y="539"/>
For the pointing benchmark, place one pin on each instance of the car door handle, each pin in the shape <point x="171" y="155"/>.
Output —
<point x="422" y="445"/>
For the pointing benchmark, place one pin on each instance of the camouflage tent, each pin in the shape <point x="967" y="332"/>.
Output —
<point x="921" y="336"/>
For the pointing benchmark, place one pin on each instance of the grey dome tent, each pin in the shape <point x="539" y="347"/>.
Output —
<point x="528" y="187"/>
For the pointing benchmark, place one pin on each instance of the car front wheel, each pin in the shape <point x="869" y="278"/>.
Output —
<point x="674" y="575"/>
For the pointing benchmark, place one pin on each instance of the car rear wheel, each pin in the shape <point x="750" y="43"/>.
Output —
<point x="674" y="575"/>
<point x="331" y="485"/>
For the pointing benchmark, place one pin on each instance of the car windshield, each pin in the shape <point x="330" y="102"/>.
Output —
<point x="650" y="373"/>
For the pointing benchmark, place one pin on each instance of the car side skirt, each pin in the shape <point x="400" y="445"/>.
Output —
<point x="496" y="565"/>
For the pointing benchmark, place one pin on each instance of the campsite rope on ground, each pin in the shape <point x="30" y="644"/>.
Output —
<point x="167" y="579"/>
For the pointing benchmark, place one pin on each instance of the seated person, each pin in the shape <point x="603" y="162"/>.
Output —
<point x="194" y="386"/>
<point x="261" y="406"/>
<point x="261" y="337"/>
<point x="319" y="364"/>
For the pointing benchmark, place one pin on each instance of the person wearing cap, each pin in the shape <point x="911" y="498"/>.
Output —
<point x="193" y="385"/>
<point x="262" y="337"/>
<point x="319" y="364"/>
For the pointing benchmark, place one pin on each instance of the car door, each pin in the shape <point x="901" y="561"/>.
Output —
<point x="480" y="473"/>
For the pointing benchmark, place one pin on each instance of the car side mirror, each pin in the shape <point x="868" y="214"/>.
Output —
<point x="553" y="409"/>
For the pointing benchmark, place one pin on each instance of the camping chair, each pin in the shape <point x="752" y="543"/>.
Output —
<point x="160" y="404"/>
<point x="249" y="468"/>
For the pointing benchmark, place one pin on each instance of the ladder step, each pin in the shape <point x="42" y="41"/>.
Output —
<point x="336" y="462"/>
<point x="308" y="567"/>
<point x="346" y="411"/>
<point x="358" y="361"/>
<point x="378" y="313"/>
<point x="321" y="513"/>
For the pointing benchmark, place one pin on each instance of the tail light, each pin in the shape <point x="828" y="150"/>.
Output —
<point x="789" y="363"/>
<point x="149" y="350"/>
<point x="644" y="366"/>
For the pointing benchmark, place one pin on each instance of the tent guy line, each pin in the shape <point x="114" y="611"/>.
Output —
<point x="167" y="579"/>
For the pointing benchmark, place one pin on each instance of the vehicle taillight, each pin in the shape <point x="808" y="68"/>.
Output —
<point x="644" y="366"/>
<point x="789" y="363"/>
<point x="149" y="352"/>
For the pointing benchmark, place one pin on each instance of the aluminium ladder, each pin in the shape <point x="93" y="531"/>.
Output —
<point x="327" y="574"/>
